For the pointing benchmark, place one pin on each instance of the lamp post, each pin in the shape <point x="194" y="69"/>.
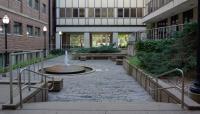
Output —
<point x="60" y="33"/>
<point x="195" y="88"/>
<point x="44" y="31"/>
<point x="6" y="21"/>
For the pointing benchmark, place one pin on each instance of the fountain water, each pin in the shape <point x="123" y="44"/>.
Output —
<point x="66" y="60"/>
<point x="66" y="68"/>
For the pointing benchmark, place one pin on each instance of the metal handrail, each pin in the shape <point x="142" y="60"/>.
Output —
<point x="182" y="85"/>
<point x="29" y="84"/>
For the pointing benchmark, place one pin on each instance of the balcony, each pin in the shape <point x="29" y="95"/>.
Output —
<point x="157" y="10"/>
<point x="160" y="33"/>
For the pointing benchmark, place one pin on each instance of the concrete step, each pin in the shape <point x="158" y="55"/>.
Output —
<point x="102" y="106"/>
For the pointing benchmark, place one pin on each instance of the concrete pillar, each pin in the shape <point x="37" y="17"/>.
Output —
<point x="180" y="18"/>
<point x="115" y="38"/>
<point x="58" y="41"/>
<point x="195" y="14"/>
<point x="87" y="40"/>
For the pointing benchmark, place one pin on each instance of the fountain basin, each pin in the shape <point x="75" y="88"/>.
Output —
<point x="64" y="69"/>
<point x="67" y="69"/>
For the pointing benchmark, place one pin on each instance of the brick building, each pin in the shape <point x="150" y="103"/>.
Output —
<point x="26" y="16"/>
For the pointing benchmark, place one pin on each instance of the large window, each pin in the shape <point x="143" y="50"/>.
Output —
<point x="37" y="31"/>
<point x="99" y="39"/>
<point x="97" y="12"/>
<point x="17" y="28"/>
<point x="68" y="12"/>
<point x="36" y="6"/>
<point x="30" y="30"/>
<point x="30" y="3"/>
<point x="62" y="12"/>
<point x="120" y="12"/>
<point x="110" y="12"/>
<point x="76" y="40"/>
<point x="75" y="12"/>
<point x="139" y="12"/>
<point x="44" y="8"/>
<point x="133" y="12"/>
<point x="81" y="12"/>
<point x="104" y="12"/>
<point x="126" y="12"/>
<point x="91" y="12"/>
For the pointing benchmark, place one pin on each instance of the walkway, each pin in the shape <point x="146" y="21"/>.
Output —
<point x="108" y="83"/>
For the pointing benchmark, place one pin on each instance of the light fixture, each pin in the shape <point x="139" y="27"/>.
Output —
<point x="44" y="29"/>
<point x="60" y="32"/>
<point x="6" y="19"/>
<point x="27" y="33"/>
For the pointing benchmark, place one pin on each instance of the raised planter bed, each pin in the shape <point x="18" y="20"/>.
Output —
<point x="165" y="95"/>
<point x="79" y="56"/>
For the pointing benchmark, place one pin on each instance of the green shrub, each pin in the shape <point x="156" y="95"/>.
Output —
<point x="101" y="49"/>
<point x="57" y="52"/>
<point x="158" y="56"/>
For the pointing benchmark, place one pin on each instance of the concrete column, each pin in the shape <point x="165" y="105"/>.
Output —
<point x="195" y="14"/>
<point x="87" y="40"/>
<point x="115" y="38"/>
<point x="58" y="41"/>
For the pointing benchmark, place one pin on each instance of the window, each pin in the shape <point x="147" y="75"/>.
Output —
<point x="68" y="12"/>
<point x="37" y="31"/>
<point x="30" y="30"/>
<point x="36" y="5"/>
<point x="97" y="12"/>
<point x="91" y="12"/>
<point x="120" y="12"/>
<point x="75" y="12"/>
<point x="44" y="8"/>
<point x="81" y="12"/>
<point x="126" y="12"/>
<point x="188" y="16"/>
<point x="62" y="12"/>
<point x="30" y="3"/>
<point x="133" y="12"/>
<point x="17" y="28"/>
<point x="110" y="12"/>
<point x="139" y="12"/>
<point x="104" y="12"/>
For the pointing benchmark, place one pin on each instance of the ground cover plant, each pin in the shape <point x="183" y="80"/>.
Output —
<point x="158" y="56"/>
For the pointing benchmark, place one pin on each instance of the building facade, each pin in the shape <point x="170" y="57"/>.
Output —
<point x="25" y="16"/>
<point x="161" y="13"/>
<point x="91" y="23"/>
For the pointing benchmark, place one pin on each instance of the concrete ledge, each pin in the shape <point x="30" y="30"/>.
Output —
<point x="167" y="95"/>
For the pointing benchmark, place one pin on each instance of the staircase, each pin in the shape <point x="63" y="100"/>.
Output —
<point x="99" y="108"/>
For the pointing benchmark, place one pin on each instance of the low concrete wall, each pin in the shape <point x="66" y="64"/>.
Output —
<point x="148" y="83"/>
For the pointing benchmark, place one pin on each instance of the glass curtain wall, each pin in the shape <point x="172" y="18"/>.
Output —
<point x="123" y="39"/>
<point x="76" y="40"/>
<point x="100" y="39"/>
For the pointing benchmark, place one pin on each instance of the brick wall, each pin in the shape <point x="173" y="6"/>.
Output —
<point x="31" y="16"/>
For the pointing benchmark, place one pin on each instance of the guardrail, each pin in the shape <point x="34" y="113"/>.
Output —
<point x="29" y="83"/>
<point x="182" y="84"/>
<point x="160" y="32"/>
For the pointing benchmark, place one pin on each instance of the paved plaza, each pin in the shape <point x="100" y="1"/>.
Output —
<point x="109" y="82"/>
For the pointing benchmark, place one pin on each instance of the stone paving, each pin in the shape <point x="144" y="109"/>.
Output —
<point x="109" y="82"/>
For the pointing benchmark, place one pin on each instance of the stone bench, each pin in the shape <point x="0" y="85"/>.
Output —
<point x="119" y="61"/>
<point x="58" y="85"/>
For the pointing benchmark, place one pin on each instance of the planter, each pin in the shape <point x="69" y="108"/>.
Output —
<point x="151" y="85"/>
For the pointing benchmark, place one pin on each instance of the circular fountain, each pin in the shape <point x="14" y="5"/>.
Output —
<point x="67" y="68"/>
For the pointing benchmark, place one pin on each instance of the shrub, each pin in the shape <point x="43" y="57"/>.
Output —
<point x="101" y="49"/>
<point x="57" y="52"/>
<point x="162" y="55"/>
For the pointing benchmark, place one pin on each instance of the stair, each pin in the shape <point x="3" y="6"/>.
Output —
<point x="100" y="108"/>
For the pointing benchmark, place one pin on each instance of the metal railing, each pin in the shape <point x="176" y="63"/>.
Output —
<point x="20" y="61"/>
<point x="29" y="86"/>
<point x="160" y="33"/>
<point x="182" y="84"/>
